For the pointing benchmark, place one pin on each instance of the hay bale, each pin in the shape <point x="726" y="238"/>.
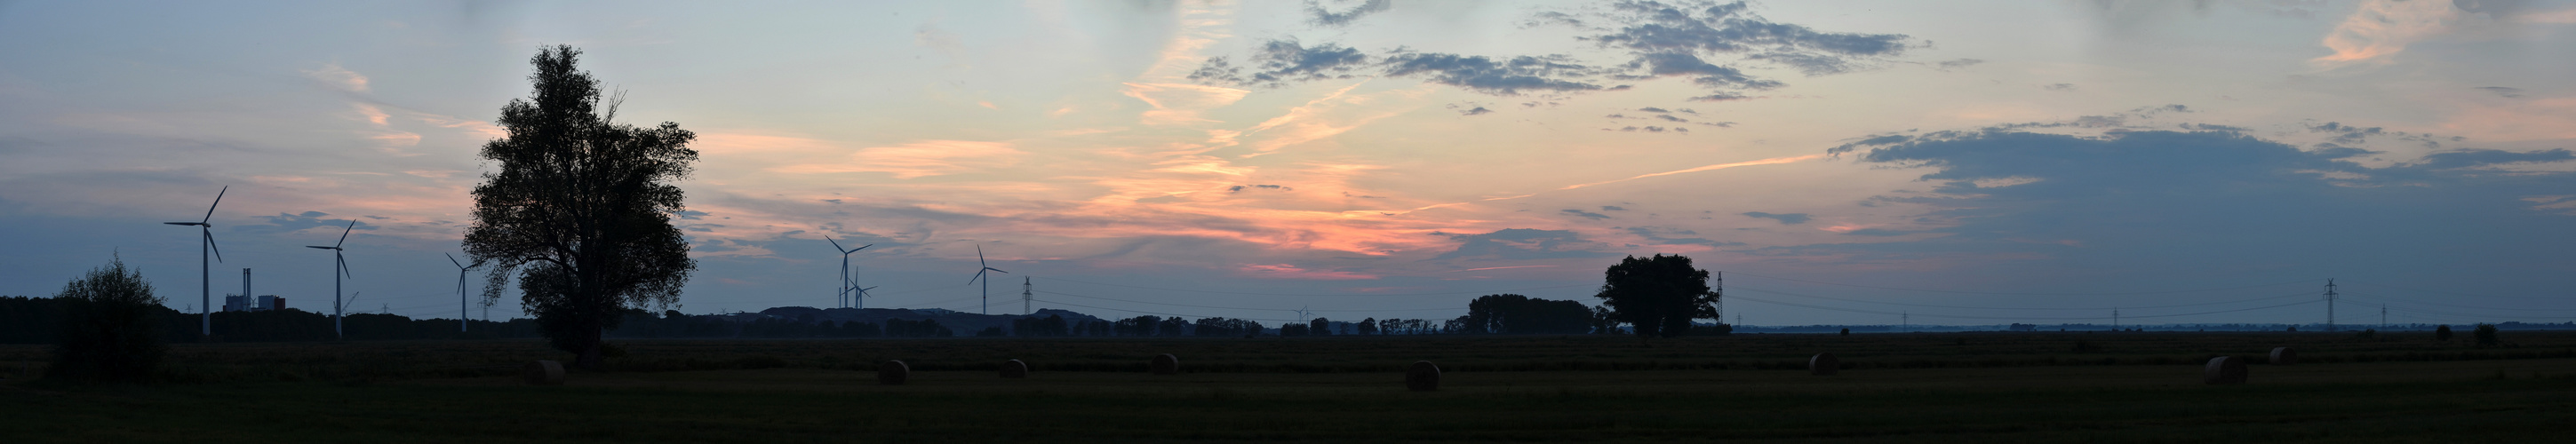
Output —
<point x="1422" y="376"/>
<point x="1824" y="364"/>
<point x="543" y="373"/>
<point x="2284" y="356"/>
<point x="893" y="373"/>
<point x="1014" y="369"/>
<point x="2224" y="370"/>
<point x="1166" y="364"/>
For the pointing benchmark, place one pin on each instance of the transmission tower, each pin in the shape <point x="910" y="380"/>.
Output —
<point x="2330" y="303"/>
<point x="1026" y="296"/>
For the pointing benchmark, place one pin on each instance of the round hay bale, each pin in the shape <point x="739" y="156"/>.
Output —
<point x="2284" y="356"/>
<point x="2224" y="370"/>
<point x="543" y="373"/>
<point x="1824" y="364"/>
<point x="1422" y="376"/>
<point x="1166" y="364"/>
<point x="1014" y="369"/>
<point x="893" y="373"/>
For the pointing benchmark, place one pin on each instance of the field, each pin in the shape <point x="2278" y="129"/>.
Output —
<point x="2120" y="387"/>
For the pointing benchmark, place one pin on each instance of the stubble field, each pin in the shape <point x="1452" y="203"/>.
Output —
<point x="1955" y="387"/>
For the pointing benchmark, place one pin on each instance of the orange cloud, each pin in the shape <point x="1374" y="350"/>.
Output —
<point x="2383" y="28"/>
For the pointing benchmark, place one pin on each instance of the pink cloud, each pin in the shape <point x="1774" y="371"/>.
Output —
<point x="1286" y="271"/>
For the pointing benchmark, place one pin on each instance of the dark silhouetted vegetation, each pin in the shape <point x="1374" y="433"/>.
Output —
<point x="580" y="211"/>
<point x="2442" y="333"/>
<point x="107" y="329"/>
<point x="2486" y="335"/>
<point x="1658" y="296"/>
<point x="1517" y="314"/>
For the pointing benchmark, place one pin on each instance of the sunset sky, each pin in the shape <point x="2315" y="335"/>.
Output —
<point x="1841" y="162"/>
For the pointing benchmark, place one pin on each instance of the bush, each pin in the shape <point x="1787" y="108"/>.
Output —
<point x="2442" y="333"/>
<point x="2486" y="334"/>
<point x="107" y="331"/>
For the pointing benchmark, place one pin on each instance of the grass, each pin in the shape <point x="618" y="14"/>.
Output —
<point x="2007" y="387"/>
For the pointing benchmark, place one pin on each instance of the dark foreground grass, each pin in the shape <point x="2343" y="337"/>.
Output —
<point x="2525" y="400"/>
<point x="448" y="359"/>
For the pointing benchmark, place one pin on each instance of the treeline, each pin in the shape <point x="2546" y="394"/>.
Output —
<point x="30" y="320"/>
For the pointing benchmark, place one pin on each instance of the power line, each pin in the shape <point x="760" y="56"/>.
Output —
<point x="1329" y="294"/>
<point x="1893" y="313"/>
<point x="1783" y="293"/>
<point x="2023" y="294"/>
<point x="1244" y="308"/>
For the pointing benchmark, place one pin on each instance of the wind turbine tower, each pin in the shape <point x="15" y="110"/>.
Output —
<point x="460" y="288"/>
<point x="206" y="270"/>
<point x="341" y="265"/>
<point x="988" y="281"/>
<point x="844" y="296"/>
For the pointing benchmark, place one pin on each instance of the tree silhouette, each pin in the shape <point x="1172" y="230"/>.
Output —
<point x="107" y="330"/>
<point x="580" y="211"/>
<point x="1658" y="295"/>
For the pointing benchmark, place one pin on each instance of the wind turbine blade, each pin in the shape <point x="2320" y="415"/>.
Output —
<point x="862" y="247"/>
<point x="979" y="274"/>
<point x="321" y="247"/>
<point x="836" y="245"/>
<point x="460" y="266"/>
<point x="219" y="200"/>
<point x="344" y="264"/>
<point x="979" y="256"/>
<point x="180" y="223"/>
<point x="996" y="269"/>
<point x="344" y="233"/>
<point x="210" y="244"/>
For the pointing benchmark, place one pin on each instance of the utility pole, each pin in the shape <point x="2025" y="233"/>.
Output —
<point x="1909" y="321"/>
<point x="2115" y="319"/>
<point x="2383" y="315"/>
<point x="2330" y="305"/>
<point x="1720" y="289"/>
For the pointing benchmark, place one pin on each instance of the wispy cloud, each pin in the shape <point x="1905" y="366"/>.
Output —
<point x="920" y="159"/>
<point x="2381" y="29"/>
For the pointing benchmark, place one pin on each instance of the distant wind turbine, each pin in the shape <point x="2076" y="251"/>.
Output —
<point x="844" y="296"/>
<point x="861" y="294"/>
<point x="460" y="286"/>
<point x="341" y="265"/>
<point x="205" y="270"/>
<point x="988" y="281"/>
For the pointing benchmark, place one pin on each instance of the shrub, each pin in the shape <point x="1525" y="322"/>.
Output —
<point x="107" y="334"/>
<point x="2442" y="333"/>
<point x="2486" y="334"/>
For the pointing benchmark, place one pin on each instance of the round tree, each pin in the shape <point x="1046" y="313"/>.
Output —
<point x="580" y="211"/>
<point x="107" y="330"/>
<point x="1658" y="295"/>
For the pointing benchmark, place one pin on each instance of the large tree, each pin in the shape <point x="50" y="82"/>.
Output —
<point x="1659" y="295"/>
<point x="580" y="211"/>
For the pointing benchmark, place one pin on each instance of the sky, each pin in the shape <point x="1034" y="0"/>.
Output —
<point x="1846" y="162"/>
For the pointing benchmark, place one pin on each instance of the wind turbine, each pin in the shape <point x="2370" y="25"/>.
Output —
<point x="988" y="281"/>
<point x="844" y="296"/>
<point x="460" y="285"/>
<point x="205" y="270"/>
<point x="342" y="263"/>
<point x="860" y="294"/>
